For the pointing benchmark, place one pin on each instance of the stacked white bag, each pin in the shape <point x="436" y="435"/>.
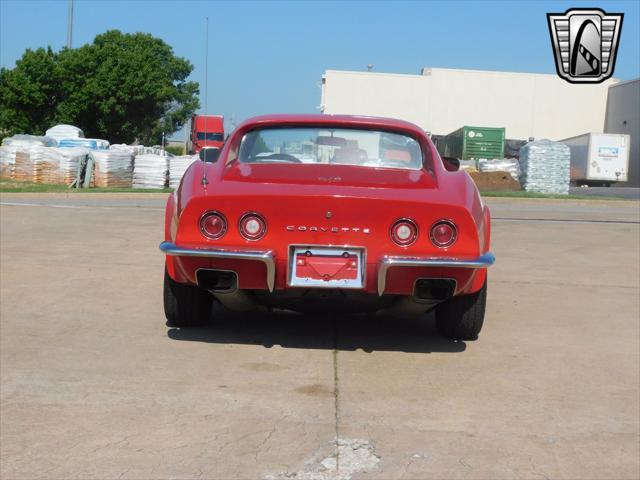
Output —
<point x="132" y="149"/>
<point x="509" y="165"/>
<point x="62" y="131"/>
<point x="29" y="140"/>
<point x="177" y="166"/>
<point x="150" y="171"/>
<point x="7" y="160"/>
<point x="70" y="160"/>
<point x="46" y="164"/>
<point x="545" y="167"/>
<point x="112" y="168"/>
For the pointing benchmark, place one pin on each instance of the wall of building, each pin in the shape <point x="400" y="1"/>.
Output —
<point x="442" y="100"/>
<point x="623" y="116"/>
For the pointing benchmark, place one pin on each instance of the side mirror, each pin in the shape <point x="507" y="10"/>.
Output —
<point x="451" y="164"/>
<point x="209" y="154"/>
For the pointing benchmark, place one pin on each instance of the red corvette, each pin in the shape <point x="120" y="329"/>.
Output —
<point x="303" y="212"/>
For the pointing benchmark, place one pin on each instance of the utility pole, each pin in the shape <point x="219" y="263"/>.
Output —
<point x="69" y="23"/>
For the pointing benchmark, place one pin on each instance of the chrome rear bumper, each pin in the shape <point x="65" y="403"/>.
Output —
<point x="264" y="256"/>
<point x="268" y="258"/>
<point x="483" y="261"/>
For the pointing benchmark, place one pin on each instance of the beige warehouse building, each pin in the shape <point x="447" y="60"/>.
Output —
<point x="441" y="100"/>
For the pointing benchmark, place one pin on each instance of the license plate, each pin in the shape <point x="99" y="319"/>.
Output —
<point x="326" y="267"/>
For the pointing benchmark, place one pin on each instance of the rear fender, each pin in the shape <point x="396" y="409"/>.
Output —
<point x="170" y="225"/>
<point x="480" y="275"/>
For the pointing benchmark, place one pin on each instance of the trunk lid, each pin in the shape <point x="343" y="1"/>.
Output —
<point x="325" y="174"/>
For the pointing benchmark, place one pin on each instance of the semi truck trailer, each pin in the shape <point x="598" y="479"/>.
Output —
<point x="599" y="158"/>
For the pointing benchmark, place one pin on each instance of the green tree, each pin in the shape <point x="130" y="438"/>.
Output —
<point x="121" y="87"/>
<point x="29" y="93"/>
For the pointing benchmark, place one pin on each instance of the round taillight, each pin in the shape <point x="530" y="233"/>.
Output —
<point x="404" y="232"/>
<point x="443" y="233"/>
<point x="252" y="226"/>
<point x="213" y="225"/>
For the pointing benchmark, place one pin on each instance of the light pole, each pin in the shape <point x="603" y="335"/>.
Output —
<point x="69" y="23"/>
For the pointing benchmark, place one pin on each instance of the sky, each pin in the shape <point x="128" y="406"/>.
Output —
<point x="269" y="57"/>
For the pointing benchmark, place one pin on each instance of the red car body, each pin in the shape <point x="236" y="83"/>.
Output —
<point x="321" y="206"/>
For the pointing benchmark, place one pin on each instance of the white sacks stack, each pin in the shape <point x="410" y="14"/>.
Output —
<point x="60" y="132"/>
<point x="132" y="149"/>
<point x="70" y="159"/>
<point x="545" y="167"/>
<point x="112" y="168"/>
<point x="150" y="171"/>
<point x="46" y="165"/>
<point x="23" y="167"/>
<point x="509" y="165"/>
<point x="29" y="140"/>
<point x="177" y="167"/>
<point x="7" y="160"/>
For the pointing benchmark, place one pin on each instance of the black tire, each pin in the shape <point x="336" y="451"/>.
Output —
<point x="185" y="305"/>
<point x="461" y="317"/>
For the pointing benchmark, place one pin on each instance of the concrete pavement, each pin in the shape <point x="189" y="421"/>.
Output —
<point x="94" y="385"/>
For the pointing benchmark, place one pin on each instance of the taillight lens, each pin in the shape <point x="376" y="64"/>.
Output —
<point x="252" y="226"/>
<point x="404" y="232"/>
<point x="443" y="233"/>
<point x="213" y="225"/>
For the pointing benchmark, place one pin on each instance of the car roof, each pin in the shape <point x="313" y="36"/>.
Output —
<point x="333" y="120"/>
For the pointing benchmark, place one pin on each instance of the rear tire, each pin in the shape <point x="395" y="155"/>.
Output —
<point x="185" y="305"/>
<point x="461" y="317"/>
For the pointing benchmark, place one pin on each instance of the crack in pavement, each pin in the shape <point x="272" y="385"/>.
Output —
<point x="350" y="456"/>
<point x="336" y="393"/>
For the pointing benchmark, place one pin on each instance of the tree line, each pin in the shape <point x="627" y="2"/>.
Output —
<point x="122" y="87"/>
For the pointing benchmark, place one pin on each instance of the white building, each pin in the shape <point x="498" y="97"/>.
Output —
<point x="623" y="116"/>
<point x="441" y="100"/>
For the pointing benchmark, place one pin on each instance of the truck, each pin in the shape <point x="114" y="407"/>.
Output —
<point x="473" y="143"/>
<point x="206" y="131"/>
<point x="599" y="158"/>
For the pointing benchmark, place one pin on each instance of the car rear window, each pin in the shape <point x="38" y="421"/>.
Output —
<point x="338" y="146"/>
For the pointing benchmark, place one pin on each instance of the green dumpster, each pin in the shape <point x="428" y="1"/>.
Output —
<point x="472" y="143"/>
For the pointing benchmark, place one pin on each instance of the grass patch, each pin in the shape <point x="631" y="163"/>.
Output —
<point x="523" y="194"/>
<point x="11" y="186"/>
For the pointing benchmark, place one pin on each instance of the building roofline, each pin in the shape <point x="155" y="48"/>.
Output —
<point x="386" y="74"/>
<point x="625" y="82"/>
<point x="462" y="70"/>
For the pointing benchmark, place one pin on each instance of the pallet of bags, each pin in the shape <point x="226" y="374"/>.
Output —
<point x="132" y="149"/>
<point x="152" y="151"/>
<point x="177" y="166"/>
<point x="26" y="141"/>
<point x="7" y="160"/>
<point x="23" y="167"/>
<point x="112" y="168"/>
<point x="509" y="165"/>
<point x="545" y="167"/>
<point x="150" y="171"/>
<point x="468" y="165"/>
<point x="70" y="160"/>
<point x="46" y="165"/>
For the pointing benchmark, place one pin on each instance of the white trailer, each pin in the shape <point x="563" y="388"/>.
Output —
<point x="599" y="158"/>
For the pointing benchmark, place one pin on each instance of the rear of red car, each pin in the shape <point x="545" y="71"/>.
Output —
<point x="301" y="209"/>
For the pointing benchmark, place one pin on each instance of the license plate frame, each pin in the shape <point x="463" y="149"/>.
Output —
<point x="294" y="280"/>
